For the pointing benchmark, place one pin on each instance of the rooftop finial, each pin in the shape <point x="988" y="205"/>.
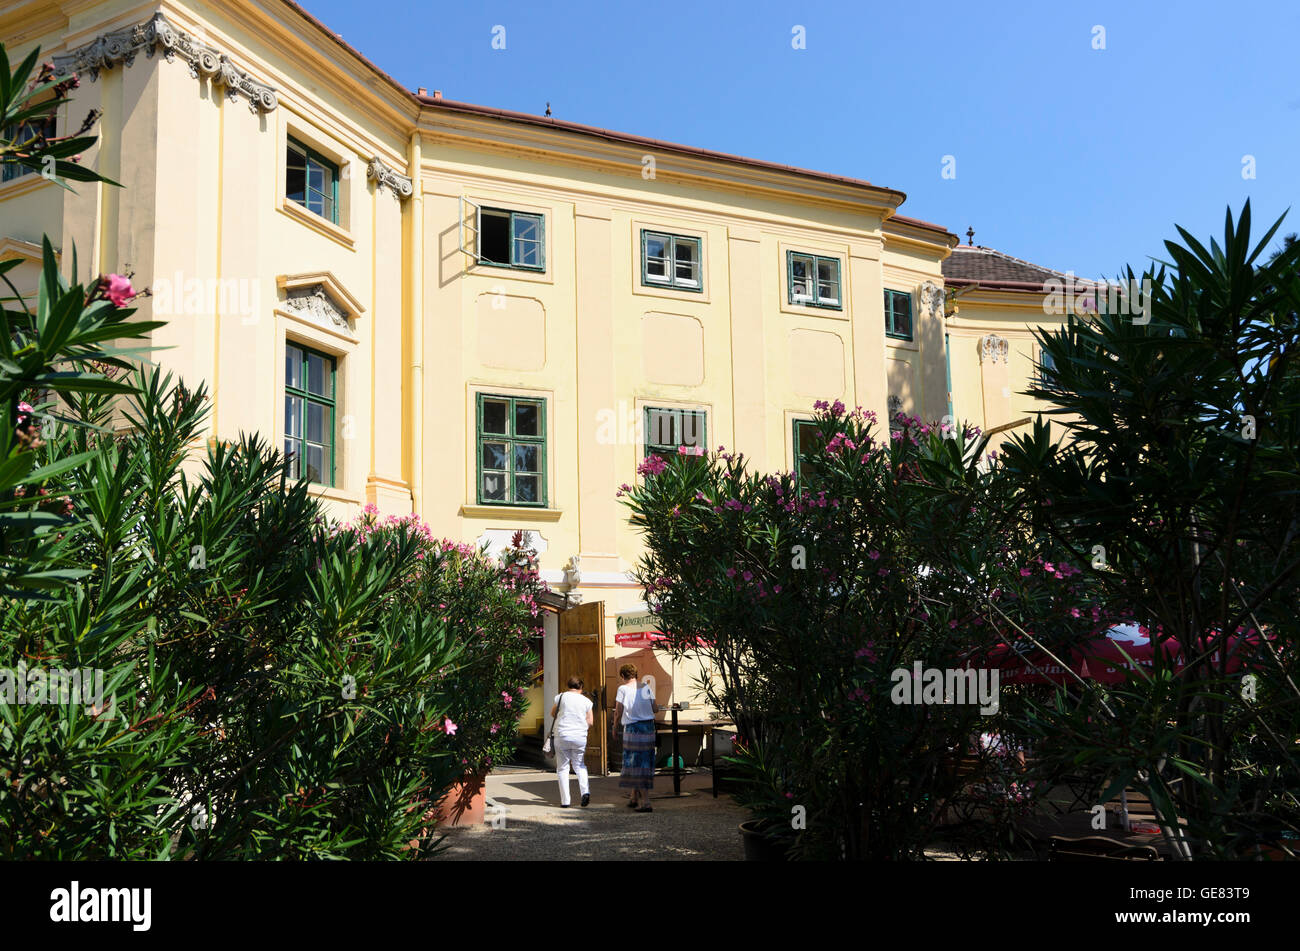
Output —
<point x="970" y="236"/>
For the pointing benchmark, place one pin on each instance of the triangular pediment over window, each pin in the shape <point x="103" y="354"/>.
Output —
<point x="320" y="299"/>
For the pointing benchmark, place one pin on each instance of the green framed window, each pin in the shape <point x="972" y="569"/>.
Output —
<point x="671" y="260"/>
<point x="668" y="429"/>
<point x="808" y="440"/>
<point x="511" y="450"/>
<point x="1046" y="370"/>
<point x="309" y="413"/>
<point x="898" y="314"/>
<point x="312" y="181"/>
<point x="24" y="132"/>
<point x="813" y="280"/>
<point x="511" y="239"/>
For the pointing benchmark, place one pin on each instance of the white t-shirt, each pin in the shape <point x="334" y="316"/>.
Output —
<point x="637" y="702"/>
<point x="571" y="724"/>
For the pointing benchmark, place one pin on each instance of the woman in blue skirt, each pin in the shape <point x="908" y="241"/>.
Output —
<point x="636" y="709"/>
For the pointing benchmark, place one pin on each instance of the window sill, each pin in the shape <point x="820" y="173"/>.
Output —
<point x="514" y="513"/>
<point x="317" y="223"/>
<point x="901" y="343"/>
<point x="509" y="267"/>
<point x="814" y="310"/>
<point x="332" y="494"/>
<point x="668" y="292"/>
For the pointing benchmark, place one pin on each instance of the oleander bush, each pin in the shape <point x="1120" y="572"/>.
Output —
<point x="270" y="685"/>
<point x="810" y="598"/>
<point x="1182" y="463"/>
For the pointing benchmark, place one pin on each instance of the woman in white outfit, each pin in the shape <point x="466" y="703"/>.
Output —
<point x="573" y="716"/>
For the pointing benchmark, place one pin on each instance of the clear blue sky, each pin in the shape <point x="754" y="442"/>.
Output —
<point x="1069" y="156"/>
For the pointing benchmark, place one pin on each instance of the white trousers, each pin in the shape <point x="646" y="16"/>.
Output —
<point x="566" y="752"/>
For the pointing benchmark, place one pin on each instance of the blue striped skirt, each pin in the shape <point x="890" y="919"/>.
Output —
<point x="638" y="755"/>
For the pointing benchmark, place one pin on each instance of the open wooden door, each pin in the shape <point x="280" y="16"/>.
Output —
<point x="582" y="652"/>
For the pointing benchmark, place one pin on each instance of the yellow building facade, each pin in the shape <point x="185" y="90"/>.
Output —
<point x="481" y="316"/>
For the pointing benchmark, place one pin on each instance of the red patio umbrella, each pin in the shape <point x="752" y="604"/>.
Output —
<point x="1107" y="658"/>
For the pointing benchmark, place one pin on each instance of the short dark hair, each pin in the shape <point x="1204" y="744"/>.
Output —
<point x="575" y="683"/>
<point x="627" y="670"/>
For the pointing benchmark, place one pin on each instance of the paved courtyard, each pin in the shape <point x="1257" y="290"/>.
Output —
<point x="694" y="827"/>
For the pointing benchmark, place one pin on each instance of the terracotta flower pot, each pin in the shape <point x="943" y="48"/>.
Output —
<point x="463" y="803"/>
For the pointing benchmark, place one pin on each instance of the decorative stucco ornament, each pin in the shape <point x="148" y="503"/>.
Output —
<point x="384" y="175"/>
<point x="932" y="298"/>
<point x="315" y="304"/>
<point x="993" y="348"/>
<point x="119" y="48"/>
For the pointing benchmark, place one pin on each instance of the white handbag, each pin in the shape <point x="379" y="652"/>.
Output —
<point x="547" y="748"/>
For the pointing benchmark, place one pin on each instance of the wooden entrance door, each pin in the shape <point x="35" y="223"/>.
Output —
<point x="582" y="652"/>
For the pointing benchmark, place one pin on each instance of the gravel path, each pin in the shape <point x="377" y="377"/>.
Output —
<point x="536" y="828"/>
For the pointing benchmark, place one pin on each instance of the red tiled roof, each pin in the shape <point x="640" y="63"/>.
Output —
<point x="628" y="138"/>
<point x="997" y="271"/>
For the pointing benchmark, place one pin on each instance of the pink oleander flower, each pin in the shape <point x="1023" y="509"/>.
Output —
<point x="448" y="727"/>
<point x="496" y="727"/>
<point x="506" y="698"/>
<point x="653" y="465"/>
<point x="117" y="289"/>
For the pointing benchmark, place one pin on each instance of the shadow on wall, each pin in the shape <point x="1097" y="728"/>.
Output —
<point x="901" y="378"/>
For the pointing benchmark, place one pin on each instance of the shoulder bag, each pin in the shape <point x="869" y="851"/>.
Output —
<point x="548" y="747"/>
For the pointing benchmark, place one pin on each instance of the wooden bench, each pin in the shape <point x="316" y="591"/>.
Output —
<point x="1098" y="848"/>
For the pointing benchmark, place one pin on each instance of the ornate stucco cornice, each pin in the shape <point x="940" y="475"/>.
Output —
<point x="384" y="175"/>
<point x="120" y="47"/>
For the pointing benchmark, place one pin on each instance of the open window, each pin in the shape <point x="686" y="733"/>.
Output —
<point x="499" y="237"/>
<point x="671" y="260"/>
<point x="312" y="181"/>
<point x="814" y="280"/>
